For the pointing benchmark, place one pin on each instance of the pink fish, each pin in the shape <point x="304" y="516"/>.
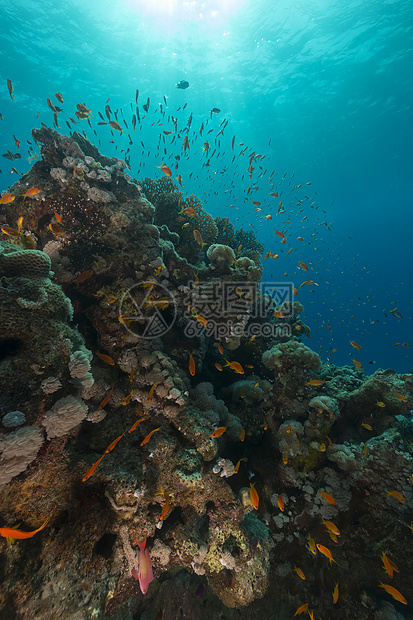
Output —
<point x="145" y="575"/>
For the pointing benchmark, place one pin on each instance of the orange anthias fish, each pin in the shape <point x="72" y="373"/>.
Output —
<point x="198" y="238"/>
<point x="85" y="275"/>
<point x="331" y="527"/>
<point x="335" y="593"/>
<point x="191" y="365"/>
<point x="10" y="532"/>
<point x="106" y="399"/>
<point x="132" y="428"/>
<point x="147" y="438"/>
<point x="325" y="551"/>
<point x="280" y="503"/>
<point x="398" y="596"/>
<point x="357" y="364"/>
<point x="219" y="431"/>
<point x="127" y="398"/>
<point x="388" y="565"/>
<point x="303" y="265"/>
<point x="396" y="495"/>
<point x="355" y="345"/>
<point x="307" y="282"/>
<point x="329" y="498"/>
<point x="33" y="191"/>
<point x="299" y="572"/>
<point x="315" y="382"/>
<point x="7" y="199"/>
<point x="311" y="545"/>
<point x="92" y="470"/>
<point x="114" y="444"/>
<point x="165" y="169"/>
<point x="254" y="496"/>
<point x="11" y="232"/>
<point x="301" y="609"/>
<point x="145" y="574"/>
<point x="237" y="466"/>
<point x="400" y="396"/>
<point x="151" y="391"/>
<point x="105" y="358"/>
<point x="166" y="505"/>
<point x="236" y="366"/>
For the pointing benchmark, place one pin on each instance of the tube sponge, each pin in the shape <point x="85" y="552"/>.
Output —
<point x="65" y="414"/>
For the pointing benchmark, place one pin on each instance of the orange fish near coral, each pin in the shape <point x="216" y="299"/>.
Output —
<point x="397" y="495"/>
<point x="357" y="364"/>
<point x="7" y="199"/>
<point x="400" y="397"/>
<point x="132" y="428"/>
<point x="114" y="443"/>
<point x="85" y="275"/>
<point x="236" y="367"/>
<point x="254" y="496"/>
<point x="237" y="466"/>
<point x="147" y="438"/>
<point x="11" y="532"/>
<point x="198" y="238"/>
<point x="106" y="399"/>
<point x="315" y="382"/>
<point x="301" y="609"/>
<point x="105" y="358"/>
<point x="166" y="505"/>
<point x="329" y="498"/>
<point x="398" y="596"/>
<point x="33" y="191"/>
<point x="145" y="574"/>
<point x="299" y="572"/>
<point x="127" y="398"/>
<point x="280" y="503"/>
<point x="219" y="431"/>
<point x="191" y="365"/>
<point x="335" y="593"/>
<point x="325" y="551"/>
<point x="92" y="470"/>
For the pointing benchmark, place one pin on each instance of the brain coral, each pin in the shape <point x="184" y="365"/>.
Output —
<point x="24" y="263"/>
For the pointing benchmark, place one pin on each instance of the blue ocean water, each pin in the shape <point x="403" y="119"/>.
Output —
<point x="322" y="90"/>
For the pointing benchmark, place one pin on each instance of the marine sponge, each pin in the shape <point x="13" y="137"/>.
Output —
<point x="65" y="414"/>
<point x="17" y="450"/>
<point x="13" y="419"/>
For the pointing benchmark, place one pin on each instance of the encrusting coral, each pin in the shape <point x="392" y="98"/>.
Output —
<point x="137" y="403"/>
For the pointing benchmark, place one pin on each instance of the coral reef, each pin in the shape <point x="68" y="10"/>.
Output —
<point x="137" y="403"/>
